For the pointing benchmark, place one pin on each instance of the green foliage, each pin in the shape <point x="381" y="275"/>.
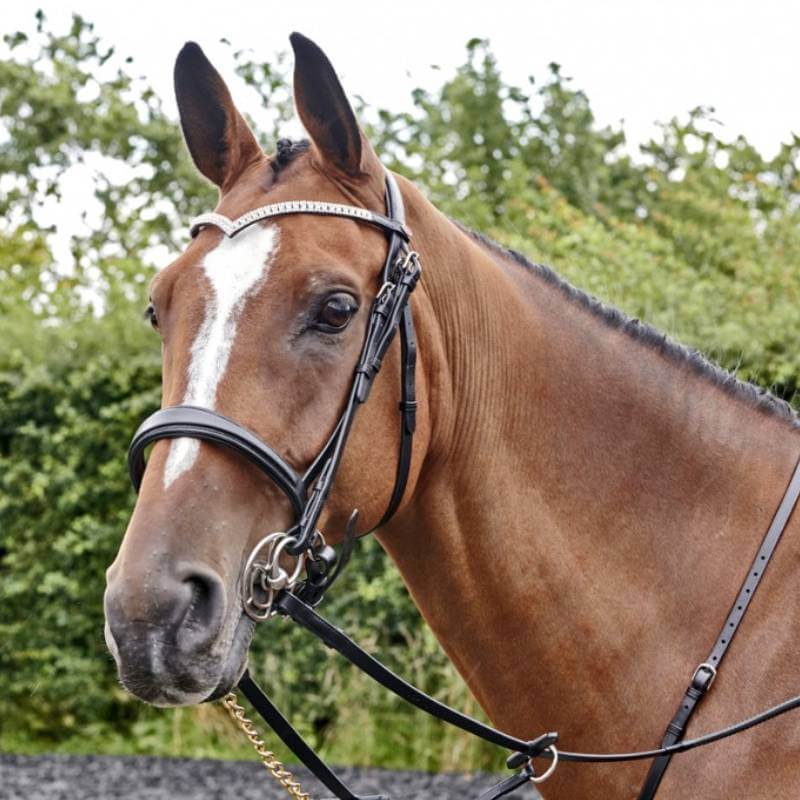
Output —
<point x="476" y="141"/>
<point x="697" y="235"/>
<point x="63" y="425"/>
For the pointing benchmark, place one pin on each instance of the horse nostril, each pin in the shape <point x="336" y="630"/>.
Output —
<point x="205" y="608"/>
<point x="206" y="599"/>
<point x="185" y="607"/>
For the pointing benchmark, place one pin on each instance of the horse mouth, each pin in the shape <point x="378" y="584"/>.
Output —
<point x="154" y="672"/>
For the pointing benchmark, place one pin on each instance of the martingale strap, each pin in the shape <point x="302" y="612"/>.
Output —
<point x="523" y="752"/>
<point x="706" y="672"/>
<point x="336" y="639"/>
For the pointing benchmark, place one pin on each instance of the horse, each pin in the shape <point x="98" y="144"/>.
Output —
<point x="583" y="496"/>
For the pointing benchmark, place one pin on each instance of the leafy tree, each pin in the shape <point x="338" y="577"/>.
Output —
<point x="696" y="234"/>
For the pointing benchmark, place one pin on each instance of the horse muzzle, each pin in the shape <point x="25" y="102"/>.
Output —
<point x="173" y="635"/>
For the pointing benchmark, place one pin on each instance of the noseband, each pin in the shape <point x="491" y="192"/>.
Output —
<point x="268" y="588"/>
<point x="308" y="492"/>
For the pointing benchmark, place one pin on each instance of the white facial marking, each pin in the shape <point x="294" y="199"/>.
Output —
<point x="235" y="268"/>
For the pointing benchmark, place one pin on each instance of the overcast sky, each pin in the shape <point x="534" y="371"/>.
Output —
<point x="639" y="61"/>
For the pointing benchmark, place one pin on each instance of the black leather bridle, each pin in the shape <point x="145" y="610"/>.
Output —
<point x="308" y="492"/>
<point x="268" y="589"/>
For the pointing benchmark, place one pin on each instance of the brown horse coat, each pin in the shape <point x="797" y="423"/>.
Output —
<point x="584" y="498"/>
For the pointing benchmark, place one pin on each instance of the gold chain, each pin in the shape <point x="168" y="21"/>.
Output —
<point x="268" y="758"/>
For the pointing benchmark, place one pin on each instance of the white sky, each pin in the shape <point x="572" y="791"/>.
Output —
<point x="638" y="61"/>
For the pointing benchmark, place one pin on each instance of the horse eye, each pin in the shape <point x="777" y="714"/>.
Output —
<point x="336" y="313"/>
<point x="150" y="315"/>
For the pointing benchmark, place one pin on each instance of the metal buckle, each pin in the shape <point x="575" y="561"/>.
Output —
<point x="385" y="289"/>
<point x="409" y="264"/>
<point x="712" y="670"/>
<point x="410" y="259"/>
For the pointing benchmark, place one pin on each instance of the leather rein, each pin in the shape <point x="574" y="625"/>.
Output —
<point x="268" y="588"/>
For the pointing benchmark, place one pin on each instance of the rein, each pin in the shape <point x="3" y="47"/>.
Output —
<point x="269" y="589"/>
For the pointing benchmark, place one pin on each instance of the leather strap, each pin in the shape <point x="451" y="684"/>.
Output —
<point x="408" y="366"/>
<point x="506" y="786"/>
<point x="230" y="227"/>
<point x="203" y="423"/>
<point x="674" y="734"/>
<point x="705" y="674"/>
<point x="685" y="745"/>
<point x="295" y="742"/>
<point x="336" y="639"/>
<point x="408" y="415"/>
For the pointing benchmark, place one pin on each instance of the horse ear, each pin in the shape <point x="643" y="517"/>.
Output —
<point x="218" y="138"/>
<point x="325" y="111"/>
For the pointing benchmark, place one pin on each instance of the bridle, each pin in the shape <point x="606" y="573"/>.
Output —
<point x="268" y="588"/>
<point x="264" y="577"/>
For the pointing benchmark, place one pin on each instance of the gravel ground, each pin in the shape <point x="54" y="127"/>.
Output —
<point x="141" y="778"/>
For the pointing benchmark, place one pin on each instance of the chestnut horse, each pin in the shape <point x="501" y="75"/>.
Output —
<point x="584" y="497"/>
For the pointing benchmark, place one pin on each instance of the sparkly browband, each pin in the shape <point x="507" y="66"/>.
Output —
<point x="230" y="227"/>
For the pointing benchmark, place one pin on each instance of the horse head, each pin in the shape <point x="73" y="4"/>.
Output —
<point x="265" y="328"/>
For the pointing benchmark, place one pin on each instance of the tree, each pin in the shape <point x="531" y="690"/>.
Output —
<point x="697" y="235"/>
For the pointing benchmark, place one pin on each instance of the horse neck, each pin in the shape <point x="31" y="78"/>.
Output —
<point x="588" y="503"/>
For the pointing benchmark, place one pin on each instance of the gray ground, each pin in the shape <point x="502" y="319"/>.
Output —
<point x="141" y="778"/>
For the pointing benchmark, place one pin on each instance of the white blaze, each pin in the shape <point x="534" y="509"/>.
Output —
<point x="235" y="268"/>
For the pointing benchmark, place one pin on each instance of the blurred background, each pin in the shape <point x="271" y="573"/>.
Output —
<point x="647" y="151"/>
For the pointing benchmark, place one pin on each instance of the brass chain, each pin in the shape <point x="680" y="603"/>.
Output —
<point x="270" y="761"/>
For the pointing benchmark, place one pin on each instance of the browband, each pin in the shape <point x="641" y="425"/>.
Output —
<point x="230" y="227"/>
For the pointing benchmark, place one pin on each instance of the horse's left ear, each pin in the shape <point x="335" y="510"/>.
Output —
<point x="325" y="111"/>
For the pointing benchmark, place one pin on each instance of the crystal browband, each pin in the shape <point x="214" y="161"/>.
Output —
<point x="230" y="227"/>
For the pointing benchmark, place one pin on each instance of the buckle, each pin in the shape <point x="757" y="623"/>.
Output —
<point x="407" y="268"/>
<point x="697" y="681"/>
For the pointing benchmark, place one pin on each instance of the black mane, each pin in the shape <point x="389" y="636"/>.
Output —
<point x="757" y="397"/>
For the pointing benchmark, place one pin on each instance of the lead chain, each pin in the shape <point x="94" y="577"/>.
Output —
<point x="270" y="761"/>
